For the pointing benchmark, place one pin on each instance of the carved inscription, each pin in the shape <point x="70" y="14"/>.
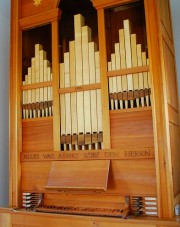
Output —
<point x="78" y="88"/>
<point x="85" y="155"/>
<point x="144" y="153"/>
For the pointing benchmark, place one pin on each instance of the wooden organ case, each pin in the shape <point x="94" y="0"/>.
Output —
<point x="94" y="114"/>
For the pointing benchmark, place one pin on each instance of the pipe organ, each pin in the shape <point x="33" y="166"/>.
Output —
<point x="134" y="89"/>
<point x="94" y="114"/>
<point x="81" y="114"/>
<point x="37" y="102"/>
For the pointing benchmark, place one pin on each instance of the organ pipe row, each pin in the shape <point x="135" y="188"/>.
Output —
<point x="134" y="89"/>
<point x="80" y="93"/>
<point x="37" y="102"/>
<point x="81" y="117"/>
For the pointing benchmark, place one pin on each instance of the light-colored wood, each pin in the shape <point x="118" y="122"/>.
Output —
<point x="93" y="93"/>
<point x="62" y="101"/>
<point x="29" y="91"/>
<point x="55" y="80"/>
<point x="114" y="80"/>
<point x="134" y="64"/>
<point x="132" y="70"/>
<point x="80" y="88"/>
<point x="37" y="85"/>
<point x="141" y="78"/>
<point x="123" y="62"/>
<point x="73" y="83"/>
<point x="127" y="39"/>
<point x="15" y="110"/>
<point x="86" y="38"/>
<point x="5" y="220"/>
<point x="78" y="23"/>
<point x="104" y="80"/>
<point x="118" y="66"/>
<point x="67" y="95"/>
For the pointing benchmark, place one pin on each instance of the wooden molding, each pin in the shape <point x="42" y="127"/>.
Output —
<point x="39" y="19"/>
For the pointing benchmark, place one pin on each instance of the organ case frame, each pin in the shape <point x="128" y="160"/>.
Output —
<point x="164" y="104"/>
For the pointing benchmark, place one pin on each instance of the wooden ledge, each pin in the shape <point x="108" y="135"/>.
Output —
<point x="91" y="175"/>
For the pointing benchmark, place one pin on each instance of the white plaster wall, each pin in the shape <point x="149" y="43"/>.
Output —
<point x="4" y="99"/>
<point x="175" y="13"/>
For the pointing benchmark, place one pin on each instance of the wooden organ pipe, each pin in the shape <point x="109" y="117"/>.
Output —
<point x="36" y="98"/>
<point x="80" y="105"/>
<point x="131" y="89"/>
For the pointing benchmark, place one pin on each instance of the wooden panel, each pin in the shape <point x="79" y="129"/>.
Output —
<point x="35" y="219"/>
<point x="129" y="177"/>
<point x="175" y="145"/>
<point x="93" y="200"/>
<point x="79" y="175"/>
<point x="131" y="128"/>
<point x="173" y="115"/>
<point x="5" y="220"/>
<point x="74" y="221"/>
<point x="170" y="74"/>
<point x="126" y="177"/>
<point x="34" y="176"/>
<point x="165" y="16"/>
<point x="37" y="135"/>
<point x="29" y="7"/>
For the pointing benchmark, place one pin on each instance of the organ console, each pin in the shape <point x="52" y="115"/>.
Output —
<point x="94" y="121"/>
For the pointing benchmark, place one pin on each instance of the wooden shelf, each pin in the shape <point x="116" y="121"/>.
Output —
<point x="76" y="175"/>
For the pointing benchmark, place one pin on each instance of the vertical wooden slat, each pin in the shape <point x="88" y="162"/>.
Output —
<point x="123" y="63"/>
<point x="99" y="100"/>
<point x="114" y="80"/>
<point x="118" y="66"/>
<point x="29" y="91"/>
<point x="45" y="91"/>
<point x="55" y="72"/>
<point x="42" y="56"/>
<point x="86" y="38"/>
<point x="127" y="39"/>
<point x="93" y="93"/>
<point x="145" y="77"/>
<point x="104" y="79"/>
<point x="141" y="79"/>
<point x="38" y="47"/>
<point x="67" y="98"/>
<point x="33" y="66"/>
<point x="111" y="87"/>
<point x="62" y="105"/>
<point x="149" y="82"/>
<point x="78" y="23"/>
<point x="15" y="109"/>
<point x="158" y="106"/>
<point x="73" y="95"/>
<point x="134" y="64"/>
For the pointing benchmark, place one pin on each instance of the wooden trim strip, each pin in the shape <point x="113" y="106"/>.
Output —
<point x="79" y="88"/>
<point x="40" y="19"/>
<point x="36" y="85"/>
<point x="37" y="119"/>
<point x="102" y="4"/>
<point x="133" y="70"/>
<point x="106" y="154"/>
